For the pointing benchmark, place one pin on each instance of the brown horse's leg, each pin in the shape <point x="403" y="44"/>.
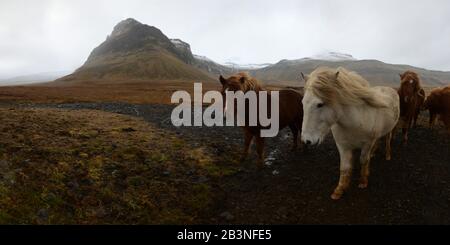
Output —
<point x="416" y="117"/>
<point x="345" y="173"/>
<point x="294" y="131"/>
<point x="446" y="120"/>
<point x="260" y="150"/>
<point x="247" y="142"/>
<point x="303" y="147"/>
<point x="366" y="154"/>
<point x="405" y="132"/>
<point x="432" y="119"/>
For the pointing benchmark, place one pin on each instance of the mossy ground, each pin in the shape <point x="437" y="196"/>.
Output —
<point x="93" y="167"/>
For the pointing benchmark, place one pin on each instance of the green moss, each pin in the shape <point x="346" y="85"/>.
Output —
<point x="76" y="174"/>
<point x="201" y="197"/>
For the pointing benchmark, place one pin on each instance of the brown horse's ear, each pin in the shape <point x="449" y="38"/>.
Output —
<point x="337" y="75"/>
<point x="243" y="79"/>
<point x="305" y="77"/>
<point x="222" y="80"/>
<point x="416" y="87"/>
<point x="401" y="76"/>
<point x="421" y="93"/>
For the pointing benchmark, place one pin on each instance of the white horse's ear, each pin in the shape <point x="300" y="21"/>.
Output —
<point x="222" y="80"/>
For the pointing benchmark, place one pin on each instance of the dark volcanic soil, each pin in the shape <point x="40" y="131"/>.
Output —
<point x="295" y="187"/>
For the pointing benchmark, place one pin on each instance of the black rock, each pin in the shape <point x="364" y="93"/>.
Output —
<point x="227" y="216"/>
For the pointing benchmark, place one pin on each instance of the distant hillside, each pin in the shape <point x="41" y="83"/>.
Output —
<point x="135" y="51"/>
<point x="34" y="78"/>
<point x="377" y="72"/>
<point x="213" y="68"/>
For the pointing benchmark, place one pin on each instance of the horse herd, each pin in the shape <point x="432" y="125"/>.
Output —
<point x="357" y="114"/>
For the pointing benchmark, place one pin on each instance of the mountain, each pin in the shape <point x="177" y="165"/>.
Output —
<point x="332" y="56"/>
<point x="135" y="51"/>
<point x="376" y="72"/>
<point x="201" y="62"/>
<point x="183" y="50"/>
<point x="213" y="68"/>
<point x="240" y="67"/>
<point x="34" y="78"/>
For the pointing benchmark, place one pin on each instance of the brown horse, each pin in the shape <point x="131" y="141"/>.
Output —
<point x="438" y="103"/>
<point x="290" y="111"/>
<point x="412" y="97"/>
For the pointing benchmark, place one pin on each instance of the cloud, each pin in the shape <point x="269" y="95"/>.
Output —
<point x="51" y="35"/>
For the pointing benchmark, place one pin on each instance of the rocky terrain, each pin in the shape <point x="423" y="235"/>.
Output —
<point x="126" y="163"/>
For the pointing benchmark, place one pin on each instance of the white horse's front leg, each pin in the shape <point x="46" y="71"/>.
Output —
<point x="366" y="154"/>
<point x="346" y="173"/>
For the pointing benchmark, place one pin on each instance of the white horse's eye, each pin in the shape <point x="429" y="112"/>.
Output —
<point x="320" y="105"/>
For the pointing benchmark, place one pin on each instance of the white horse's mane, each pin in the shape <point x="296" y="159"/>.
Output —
<point x="343" y="87"/>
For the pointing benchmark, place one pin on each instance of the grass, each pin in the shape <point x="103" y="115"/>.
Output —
<point x="137" y="92"/>
<point x="128" y="91"/>
<point x="92" y="167"/>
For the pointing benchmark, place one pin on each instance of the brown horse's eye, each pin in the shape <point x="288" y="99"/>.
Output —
<point x="320" y="105"/>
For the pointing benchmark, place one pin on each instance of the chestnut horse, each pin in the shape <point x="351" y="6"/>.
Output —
<point x="290" y="111"/>
<point x="412" y="97"/>
<point x="438" y="103"/>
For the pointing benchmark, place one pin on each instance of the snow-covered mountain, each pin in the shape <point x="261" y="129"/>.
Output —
<point x="236" y="66"/>
<point x="210" y="66"/>
<point x="332" y="56"/>
<point x="328" y="56"/>
<point x="203" y="58"/>
<point x="375" y="71"/>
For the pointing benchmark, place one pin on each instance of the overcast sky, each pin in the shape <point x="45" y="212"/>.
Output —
<point x="54" y="35"/>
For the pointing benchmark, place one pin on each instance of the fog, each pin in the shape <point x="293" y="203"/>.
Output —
<point x="56" y="35"/>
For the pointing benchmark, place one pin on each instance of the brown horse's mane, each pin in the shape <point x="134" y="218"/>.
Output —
<point x="247" y="83"/>
<point x="408" y="75"/>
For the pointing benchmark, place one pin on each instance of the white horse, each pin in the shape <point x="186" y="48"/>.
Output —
<point x="357" y="114"/>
